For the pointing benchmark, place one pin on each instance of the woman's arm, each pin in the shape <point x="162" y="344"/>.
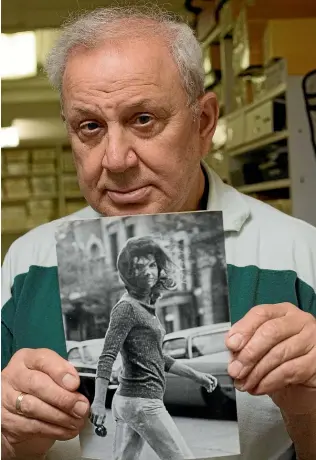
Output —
<point x="206" y="380"/>
<point x="121" y="322"/>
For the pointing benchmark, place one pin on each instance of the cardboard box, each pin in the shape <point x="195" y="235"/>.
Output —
<point x="293" y="40"/>
<point x="275" y="75"/>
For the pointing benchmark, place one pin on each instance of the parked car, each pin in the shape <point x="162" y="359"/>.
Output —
<point x="84" y="357"/>
<point x="202" y="348"/>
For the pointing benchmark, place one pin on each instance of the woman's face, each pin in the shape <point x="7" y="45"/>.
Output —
<point x="146" y="269"/>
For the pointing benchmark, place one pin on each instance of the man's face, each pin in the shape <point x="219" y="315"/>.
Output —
<point x="136" y="145"/>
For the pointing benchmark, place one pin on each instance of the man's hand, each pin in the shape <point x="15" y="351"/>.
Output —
<point x="274" y="353"/>
<point x="208" y="381"/>
<point x="51" y="408"/>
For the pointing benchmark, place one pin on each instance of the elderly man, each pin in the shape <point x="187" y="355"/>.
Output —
<point x="131" y="87"/>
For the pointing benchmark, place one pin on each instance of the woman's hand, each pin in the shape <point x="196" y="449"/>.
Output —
<point x="97" y="413"/>
<point x="208" y="381"/>
<point x="50" y="409"/>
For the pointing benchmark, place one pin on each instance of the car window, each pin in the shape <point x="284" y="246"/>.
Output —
<point x="91" y="353"/>
<point x="74" y="354"/>
<point x="207" y="344"/>
<point x="175" y="347"/>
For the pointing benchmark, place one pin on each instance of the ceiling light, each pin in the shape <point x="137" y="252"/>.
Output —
<point x="18" y="55"/>
<point x="9" y="137"/>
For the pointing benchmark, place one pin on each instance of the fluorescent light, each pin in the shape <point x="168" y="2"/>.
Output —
<point x="9" y="137"/>
<point x="18" y="55"/>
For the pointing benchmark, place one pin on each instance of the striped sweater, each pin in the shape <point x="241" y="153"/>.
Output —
<point x="271" y="258"/>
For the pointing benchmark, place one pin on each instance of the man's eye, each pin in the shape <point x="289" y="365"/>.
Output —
<point x="90" y="126"/>
<point x="143" y="119"/>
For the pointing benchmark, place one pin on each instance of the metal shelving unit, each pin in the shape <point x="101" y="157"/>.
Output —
<point x="244" y="141"/>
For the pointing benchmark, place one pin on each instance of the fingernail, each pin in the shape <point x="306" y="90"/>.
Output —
<point x="80" y="408"/>
<point x="235" y="368"/>
<point x="239" y="385"/>
<point x="235" y="341"/>
<point x="70" y="381"/>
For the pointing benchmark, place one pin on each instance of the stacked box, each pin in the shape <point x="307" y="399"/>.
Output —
<point x="70" y="183"/>
<point x="44" y="185"/>
<point x="13" y="217"/>
<point x="74" y="206"/>
<point x="16" y="188"/>
<point x="17" y="162"/>
<point x="44" y="161"/>
<point x="67" y="162"/>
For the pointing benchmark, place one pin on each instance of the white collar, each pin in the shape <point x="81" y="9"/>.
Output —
<point x="223" y="197"/>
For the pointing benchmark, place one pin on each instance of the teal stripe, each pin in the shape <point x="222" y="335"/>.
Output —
<point x="250" y="286"/>
<point x="32" y="317"/>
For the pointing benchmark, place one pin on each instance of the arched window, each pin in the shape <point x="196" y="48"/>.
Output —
<point x="94" y="251"/>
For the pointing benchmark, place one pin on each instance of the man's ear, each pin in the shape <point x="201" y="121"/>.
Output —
<point x="209" y="113"/>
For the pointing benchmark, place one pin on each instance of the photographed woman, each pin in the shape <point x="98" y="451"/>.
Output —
<point x="136" y="332"/>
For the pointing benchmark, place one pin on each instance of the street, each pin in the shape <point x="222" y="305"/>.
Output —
<point x="206" y="438"/>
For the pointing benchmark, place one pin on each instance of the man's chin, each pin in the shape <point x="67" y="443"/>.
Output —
<point x="107" y="209"/>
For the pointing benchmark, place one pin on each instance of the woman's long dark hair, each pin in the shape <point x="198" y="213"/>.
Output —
<point x="143" y="247"/>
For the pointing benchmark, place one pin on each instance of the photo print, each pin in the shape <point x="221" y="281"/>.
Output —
<point x="145" y="310"/>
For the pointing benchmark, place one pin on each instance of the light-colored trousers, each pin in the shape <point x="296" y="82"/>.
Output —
<point x="140" y="420"/>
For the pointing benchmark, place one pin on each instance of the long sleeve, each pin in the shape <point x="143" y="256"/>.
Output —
<point x="122" y="320"/>
<point x="168" y="362"/>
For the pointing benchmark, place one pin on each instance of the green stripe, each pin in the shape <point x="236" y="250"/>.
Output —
<point x="250" y="286"/>
<point x="37" y="322"/>
<point x="32" y="317"/>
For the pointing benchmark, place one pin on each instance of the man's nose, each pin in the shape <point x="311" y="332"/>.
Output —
<point x="119" y="154"/>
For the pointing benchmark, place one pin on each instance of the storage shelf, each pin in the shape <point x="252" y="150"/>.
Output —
<point x="28" y="197"/>
<point x="74" y="195"/>
<point x="213" y="37"/>
<point x="263" y="186"/>
<point x="258" y="143"/>
<point x="277" y="91"/>
<point x="16" y="230"/>
<point x="29" y="174"/>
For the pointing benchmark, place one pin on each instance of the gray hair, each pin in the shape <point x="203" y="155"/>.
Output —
<point x="90" y="29"/>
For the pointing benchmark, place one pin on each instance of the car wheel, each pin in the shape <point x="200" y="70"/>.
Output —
<point x="220" y="405"/>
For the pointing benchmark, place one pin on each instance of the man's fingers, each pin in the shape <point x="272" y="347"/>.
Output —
<point x="266" y="337"/>
<point x="244" y="329"/>
<point x="33" y="407"/>
<point x="294" y="372"/>
<point x="41" y="386"/>
<point x="294" y="347"/>
<point x="50" y="363"/>
<point x="34" y="428"/>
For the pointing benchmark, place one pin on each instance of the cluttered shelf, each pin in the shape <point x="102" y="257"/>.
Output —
<point x="263" y="186"/>
<point x="257" y="144"/>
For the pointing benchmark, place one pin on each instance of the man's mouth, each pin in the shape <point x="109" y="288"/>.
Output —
<point x="129" y="196"/>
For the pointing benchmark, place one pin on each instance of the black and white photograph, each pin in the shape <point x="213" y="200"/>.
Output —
<point x="145" y="306"/>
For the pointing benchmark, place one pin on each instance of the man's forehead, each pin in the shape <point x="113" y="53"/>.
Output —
<point x="85" y="108"/>
<point x="112" y="67"/>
